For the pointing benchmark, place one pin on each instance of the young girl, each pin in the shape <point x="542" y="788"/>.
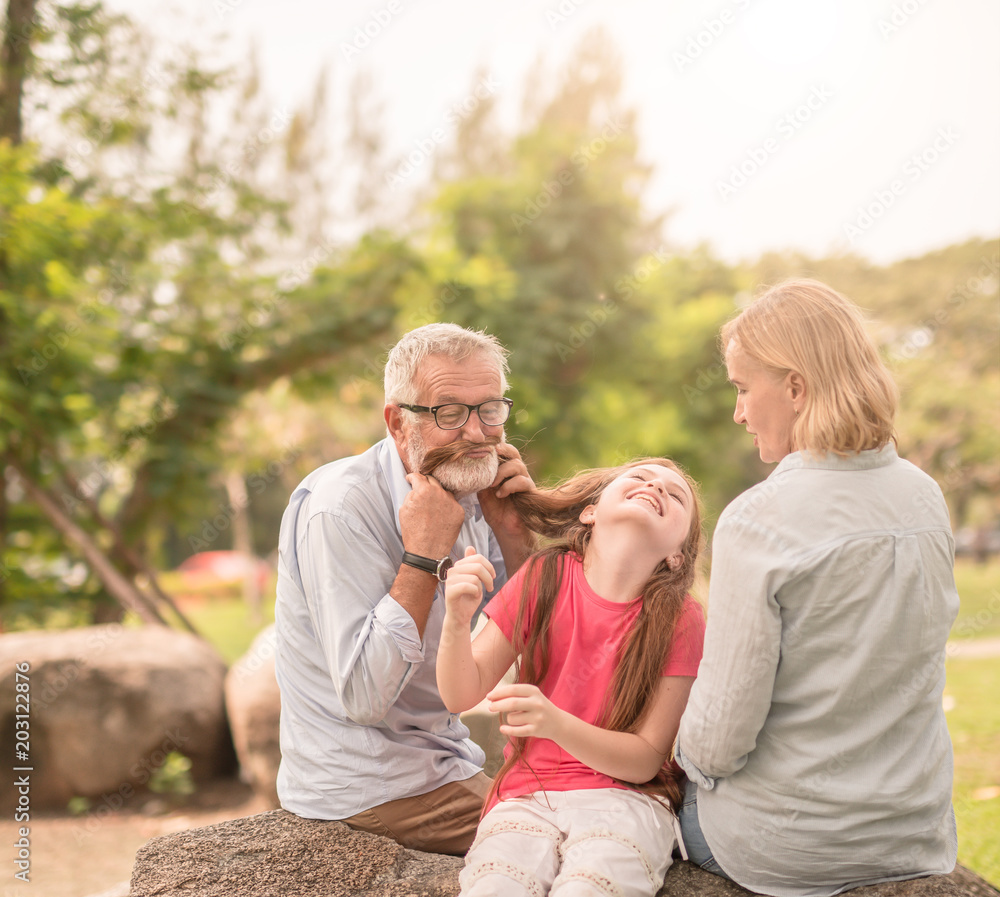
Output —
<point x="608" y="643"/>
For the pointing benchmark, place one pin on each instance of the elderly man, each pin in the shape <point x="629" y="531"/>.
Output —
<point x="364" y="548"/>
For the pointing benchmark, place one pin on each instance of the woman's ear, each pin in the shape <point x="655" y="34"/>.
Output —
<point x="587" y="515"/>
<point x="796" y="386"/>
<point x="675" y="561"/>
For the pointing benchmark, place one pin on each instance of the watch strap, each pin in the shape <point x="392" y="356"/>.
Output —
<point x="438" y="568"/>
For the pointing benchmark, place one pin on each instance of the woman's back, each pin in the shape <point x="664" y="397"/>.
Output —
<point x="834" y="577"/>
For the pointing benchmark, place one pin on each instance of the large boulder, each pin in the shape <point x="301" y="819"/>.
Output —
<point x="108" y="704"/>
<point x="277" y="854"/>
<point x="254" y="705"/>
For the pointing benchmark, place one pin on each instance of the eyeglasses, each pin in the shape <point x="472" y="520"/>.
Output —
<point x="454" y="415"/>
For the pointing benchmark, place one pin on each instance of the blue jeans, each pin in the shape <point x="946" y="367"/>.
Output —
<point x="697" y="847"/>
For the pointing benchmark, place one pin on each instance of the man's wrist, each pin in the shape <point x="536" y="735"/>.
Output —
<point x="436" y="566"/>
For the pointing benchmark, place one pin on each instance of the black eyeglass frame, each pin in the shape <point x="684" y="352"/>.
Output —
<point x="469" y="408"/>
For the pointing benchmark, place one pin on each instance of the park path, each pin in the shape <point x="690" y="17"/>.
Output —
<point x="973" y="647"/>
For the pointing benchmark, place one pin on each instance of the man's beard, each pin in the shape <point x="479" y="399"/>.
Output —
<point x="457" y="473"/>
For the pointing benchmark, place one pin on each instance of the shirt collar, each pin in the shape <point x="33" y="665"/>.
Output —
<point x="865" y="460"/>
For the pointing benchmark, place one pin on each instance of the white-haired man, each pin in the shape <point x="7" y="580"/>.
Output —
<point x="364" y="546"/>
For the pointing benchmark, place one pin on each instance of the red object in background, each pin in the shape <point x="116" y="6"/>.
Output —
<point x="208" y="568"/>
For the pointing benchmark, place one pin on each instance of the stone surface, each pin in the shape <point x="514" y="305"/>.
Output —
<point x="277" y="854"/>
<point x="108" y="704"/>
<point x="253" y="704"/>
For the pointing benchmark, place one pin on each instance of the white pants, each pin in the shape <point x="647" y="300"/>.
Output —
<point x="602" y="842"/>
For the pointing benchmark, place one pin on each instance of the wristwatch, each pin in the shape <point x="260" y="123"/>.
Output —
<point x="437" y="568"/>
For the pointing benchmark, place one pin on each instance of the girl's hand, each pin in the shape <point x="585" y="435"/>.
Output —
<point x="529" y="712"/>
<point x="463" y="589"/>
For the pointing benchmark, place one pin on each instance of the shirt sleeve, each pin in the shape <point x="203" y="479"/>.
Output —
<point x="688" y="642"/>
<point x="731" y="697"/>
<point x="369" y="641"/>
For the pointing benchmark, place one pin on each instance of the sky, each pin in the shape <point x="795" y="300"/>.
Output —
<point x="825" y="126"/>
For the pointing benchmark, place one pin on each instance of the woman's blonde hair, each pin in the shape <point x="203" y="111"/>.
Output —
<point x="805" y="326"/>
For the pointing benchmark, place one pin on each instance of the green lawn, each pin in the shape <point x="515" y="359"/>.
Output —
<point x="974" y="723"/>
<point x="979" y="592"/>
<point x="228" y="624"/>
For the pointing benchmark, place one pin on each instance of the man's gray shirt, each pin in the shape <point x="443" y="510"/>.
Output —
<point x="362" y="721"/>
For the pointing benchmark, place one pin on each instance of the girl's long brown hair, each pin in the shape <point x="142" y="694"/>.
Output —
<point x="555" y="514"/>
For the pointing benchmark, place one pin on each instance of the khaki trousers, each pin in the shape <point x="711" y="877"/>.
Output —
<point x="441" y="821"/>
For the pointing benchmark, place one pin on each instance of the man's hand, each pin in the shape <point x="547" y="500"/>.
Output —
<point x="512" y="476"/>
<point x="429" y="518"/>
<point x="529" y="712"/>
<point x="463" y="590"/>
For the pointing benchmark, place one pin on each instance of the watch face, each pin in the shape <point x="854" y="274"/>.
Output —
<point x="443" y="567"/>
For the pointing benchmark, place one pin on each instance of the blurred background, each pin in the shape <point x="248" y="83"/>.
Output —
<point x="216" y="216"/>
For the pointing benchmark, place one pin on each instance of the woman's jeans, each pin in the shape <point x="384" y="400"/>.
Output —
<point x="694" y="840"/>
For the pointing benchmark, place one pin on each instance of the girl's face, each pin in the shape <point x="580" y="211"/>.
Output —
<point x="652" y="498"/>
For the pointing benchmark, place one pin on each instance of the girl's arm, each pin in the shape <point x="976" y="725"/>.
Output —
<point x="467" y="670"/>
<point x="630" y="757"/>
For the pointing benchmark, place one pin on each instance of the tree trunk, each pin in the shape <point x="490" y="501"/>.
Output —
<point x="236" y="489"/>
<point x="14" y="56"/>
<point x="123" y="591"/>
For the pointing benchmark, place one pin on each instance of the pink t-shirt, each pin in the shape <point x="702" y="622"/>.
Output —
<point x="585" y="633"/>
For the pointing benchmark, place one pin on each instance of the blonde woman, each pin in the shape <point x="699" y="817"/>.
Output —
<point x="814" y="737"/>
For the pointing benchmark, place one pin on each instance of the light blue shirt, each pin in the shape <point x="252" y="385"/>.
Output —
<point x="815" y="728"/>
<point x="362" y="721"/>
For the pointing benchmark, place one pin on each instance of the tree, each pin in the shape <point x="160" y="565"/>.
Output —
<point x="152" y="275"/>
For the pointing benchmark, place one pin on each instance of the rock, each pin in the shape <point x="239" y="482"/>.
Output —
<point x="253" y="704"/>
<point x="277" y="854"/>
<point x="108" y="704"/>
<point x="484" y="730"/>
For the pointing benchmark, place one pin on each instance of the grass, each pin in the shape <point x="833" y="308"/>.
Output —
<point x="228" y="624"/>
<point x="979" y="593"/>
<point x="974" y="723"/>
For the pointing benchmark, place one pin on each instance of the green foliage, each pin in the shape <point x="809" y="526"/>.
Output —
<point x="173" y="777"/>
<point x="172" y="316"/>
<point x="144" y="295"/>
